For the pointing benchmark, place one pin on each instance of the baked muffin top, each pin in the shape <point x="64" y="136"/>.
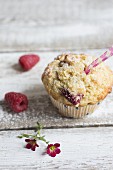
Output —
<point x="66" y="81"/>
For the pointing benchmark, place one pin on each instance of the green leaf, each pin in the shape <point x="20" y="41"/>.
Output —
<point x="39" y="126"/>
<point x="20" y="137"/>
<point x="42" y="138"/>
<point x="26" y="135"/>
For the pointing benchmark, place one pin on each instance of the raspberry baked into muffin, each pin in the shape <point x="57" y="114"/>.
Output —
<point x="73" y="92"/>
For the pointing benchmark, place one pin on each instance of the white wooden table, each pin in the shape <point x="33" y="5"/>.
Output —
<point x="85" y="147"/>
<point x="33" y="26"/>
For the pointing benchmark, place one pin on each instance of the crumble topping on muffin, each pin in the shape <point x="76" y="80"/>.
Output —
<point x="67" y="72"/>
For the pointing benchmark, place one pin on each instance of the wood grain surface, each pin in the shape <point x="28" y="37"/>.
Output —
<point x="82" y="149"/>
<point x="43" y="27"/>
<point x="27" y="25"/>
<point x="12" y="78"/>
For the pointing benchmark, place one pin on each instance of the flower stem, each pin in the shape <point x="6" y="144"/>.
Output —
<point x="37" y="135"/>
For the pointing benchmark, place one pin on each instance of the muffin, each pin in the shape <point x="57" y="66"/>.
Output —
<point x="73" y="92"/>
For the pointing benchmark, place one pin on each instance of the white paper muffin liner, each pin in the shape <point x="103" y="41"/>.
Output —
<point x="73" y="111"/>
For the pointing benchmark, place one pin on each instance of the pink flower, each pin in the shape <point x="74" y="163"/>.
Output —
<point x="31" y="144"/>
<point x="53" y="149"/>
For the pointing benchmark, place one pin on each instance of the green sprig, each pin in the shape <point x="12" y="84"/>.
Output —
<point x="36" y="136"/>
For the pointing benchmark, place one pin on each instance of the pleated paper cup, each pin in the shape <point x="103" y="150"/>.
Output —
<point x="73" y="111"/>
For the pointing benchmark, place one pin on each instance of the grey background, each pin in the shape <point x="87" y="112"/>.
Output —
<point x="27" y="25"/>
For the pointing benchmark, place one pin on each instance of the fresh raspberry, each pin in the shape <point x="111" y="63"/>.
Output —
<point x="70" y="97"/>
<point x="28" y="61"/>
<point x="17" y="102"/>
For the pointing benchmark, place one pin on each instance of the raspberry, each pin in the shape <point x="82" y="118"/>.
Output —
<point x="17" y="102"/>
<point x="70" y="97"/>
<point x="28" y="61"/>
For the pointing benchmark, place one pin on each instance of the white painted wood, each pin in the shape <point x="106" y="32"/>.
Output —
<point x="40" y="107"/>
<point x="47" y="24"/>
<point x="82" y="148"/>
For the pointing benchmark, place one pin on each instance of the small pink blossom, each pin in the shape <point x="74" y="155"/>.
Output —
<point x="31" y="144"/>
<point x="53" y="149"/>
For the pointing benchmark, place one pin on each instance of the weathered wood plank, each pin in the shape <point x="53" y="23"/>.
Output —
<point x="47" y="24"/>
<point x="82" y="148"/>
<point x="40" y="107"/>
